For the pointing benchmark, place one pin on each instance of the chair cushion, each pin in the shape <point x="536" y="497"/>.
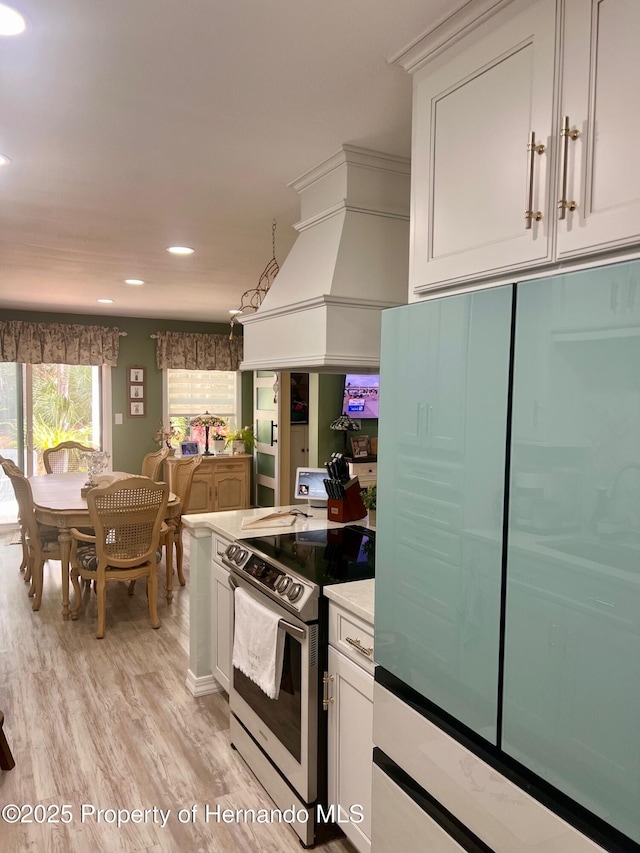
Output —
<point x="88" y="558"/>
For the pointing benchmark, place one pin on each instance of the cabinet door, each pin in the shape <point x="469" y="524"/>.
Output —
<point x="221" y="602"/>
<point x="200" y="497"/>
<point x="474" y="111"/>
<point x="601" y="69"/>
<point x="437" y="619"/>
<point x="230" y="491"/>
<point x="350" y="745"/>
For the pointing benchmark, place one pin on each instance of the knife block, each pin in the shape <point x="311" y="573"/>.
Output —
<point x="350" y="508"/>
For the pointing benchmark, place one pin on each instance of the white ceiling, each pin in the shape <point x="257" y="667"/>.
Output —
<point x="133" y="125"/>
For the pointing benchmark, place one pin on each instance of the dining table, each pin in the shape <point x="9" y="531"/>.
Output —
<point x="58" y="502"/>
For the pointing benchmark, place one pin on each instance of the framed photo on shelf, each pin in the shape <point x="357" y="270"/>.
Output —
<point x="360" y="446"/>
<point x="136" y="409"/>
<point x="189" y="448"/>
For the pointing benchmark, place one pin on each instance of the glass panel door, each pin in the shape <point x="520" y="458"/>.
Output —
<point x="272" y="395"/>
<point x="442" y="437"/>
<point x="572" y="644"/>
<point x="65" y="406"/>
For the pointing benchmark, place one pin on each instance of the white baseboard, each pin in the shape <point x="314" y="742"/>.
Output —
<point x="202" y="685"/>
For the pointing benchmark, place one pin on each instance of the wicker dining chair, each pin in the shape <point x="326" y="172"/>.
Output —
<point x="24" y="565"/>
<point x="66" y="456"/>
<point x="127" y="517"/>
<point x="181" y="479"/>
<point x="153" y="462"/>
<point x="41" y="542"/>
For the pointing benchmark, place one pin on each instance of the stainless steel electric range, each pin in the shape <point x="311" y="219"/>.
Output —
<point x="284" y="740"/>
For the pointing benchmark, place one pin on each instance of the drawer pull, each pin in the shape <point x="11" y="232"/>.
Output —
<point x="221" y="553"/>
<point x="600" y="601"/>
<point x="358" y="645"/>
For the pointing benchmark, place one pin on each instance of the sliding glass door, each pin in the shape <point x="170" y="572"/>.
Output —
<point x="40" y="406"/>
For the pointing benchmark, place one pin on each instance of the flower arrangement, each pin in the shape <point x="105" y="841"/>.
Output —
<point x="165" y="435"/>
<point x="244" y="434"/>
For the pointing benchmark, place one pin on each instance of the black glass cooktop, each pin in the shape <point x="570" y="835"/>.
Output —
<point x="322" y="556"/>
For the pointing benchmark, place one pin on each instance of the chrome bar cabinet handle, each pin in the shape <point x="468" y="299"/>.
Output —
<point x="565" y="135"/>
<point x="532" y="149"/>
<point x="326" y="699"/>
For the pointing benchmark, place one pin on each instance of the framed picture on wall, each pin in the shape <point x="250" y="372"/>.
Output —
<point x="136" y="387"/>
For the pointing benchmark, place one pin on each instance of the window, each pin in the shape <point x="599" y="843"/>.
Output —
<point x="191" y="392"/>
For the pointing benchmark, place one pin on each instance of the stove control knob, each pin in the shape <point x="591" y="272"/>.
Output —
<point x="240" y="556"/>
<point x="231" y="551"/>
<point x="282" y="584"/>
<point x="295" y="591"/>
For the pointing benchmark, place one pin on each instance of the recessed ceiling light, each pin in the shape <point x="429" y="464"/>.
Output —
<point x="105" y="301"/>
<point x="133" y="281"/>
<point x="180" y="250"/>
<point x="4" y="160"/>
<point x="11" y="22"/>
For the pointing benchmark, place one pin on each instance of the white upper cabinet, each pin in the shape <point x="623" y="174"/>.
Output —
<point x="475" y="110"/>
<point x="600" y="79"/>
<point x="502" y="182"/>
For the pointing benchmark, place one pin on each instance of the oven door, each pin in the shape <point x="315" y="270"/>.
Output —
<point x="286" y="728"/>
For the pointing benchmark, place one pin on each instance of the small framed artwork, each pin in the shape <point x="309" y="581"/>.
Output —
<point x="360" y="446"/>
<point x="189" y="448"/>
<point x="136" y="387"/>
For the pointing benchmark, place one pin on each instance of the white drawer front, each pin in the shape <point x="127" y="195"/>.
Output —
<point x="352" y="636"/>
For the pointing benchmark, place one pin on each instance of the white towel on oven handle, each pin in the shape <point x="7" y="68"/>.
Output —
<point x="258" y="643"/>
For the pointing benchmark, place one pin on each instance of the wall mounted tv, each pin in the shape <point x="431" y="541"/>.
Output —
<point x="361" y="395"/>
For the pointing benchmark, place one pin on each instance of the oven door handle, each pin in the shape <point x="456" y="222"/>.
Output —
<point x="286" y="626"/>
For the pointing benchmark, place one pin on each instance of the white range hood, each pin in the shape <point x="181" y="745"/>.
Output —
<point x="350" y="260"/>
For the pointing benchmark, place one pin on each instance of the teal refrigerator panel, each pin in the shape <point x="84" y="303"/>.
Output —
<point x="572" y="641"/>
<point x="441" y="462"/>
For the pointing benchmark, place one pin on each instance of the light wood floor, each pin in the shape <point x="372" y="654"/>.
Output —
<point x="110" y="724"/>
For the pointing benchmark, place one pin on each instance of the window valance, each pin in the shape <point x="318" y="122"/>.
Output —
<point x="59" y="343"/>
<point x="186" y="351"/>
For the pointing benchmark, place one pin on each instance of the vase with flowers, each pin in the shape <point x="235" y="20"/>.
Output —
<point x="212" y="424"/>
<point x="165" y="436"/>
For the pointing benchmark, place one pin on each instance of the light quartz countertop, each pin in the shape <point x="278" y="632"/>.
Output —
<point x="229" y="524"/>
<point x="356" y="597"/>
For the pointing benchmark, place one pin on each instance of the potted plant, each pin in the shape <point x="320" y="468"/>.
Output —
<point x="369" y="497"/>
<point x="241" y="440"/>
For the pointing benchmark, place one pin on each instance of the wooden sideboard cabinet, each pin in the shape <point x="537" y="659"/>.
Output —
<point x="219" y="483"/>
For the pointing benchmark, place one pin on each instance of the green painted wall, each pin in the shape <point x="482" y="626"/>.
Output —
<point x="134" y="438"/>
